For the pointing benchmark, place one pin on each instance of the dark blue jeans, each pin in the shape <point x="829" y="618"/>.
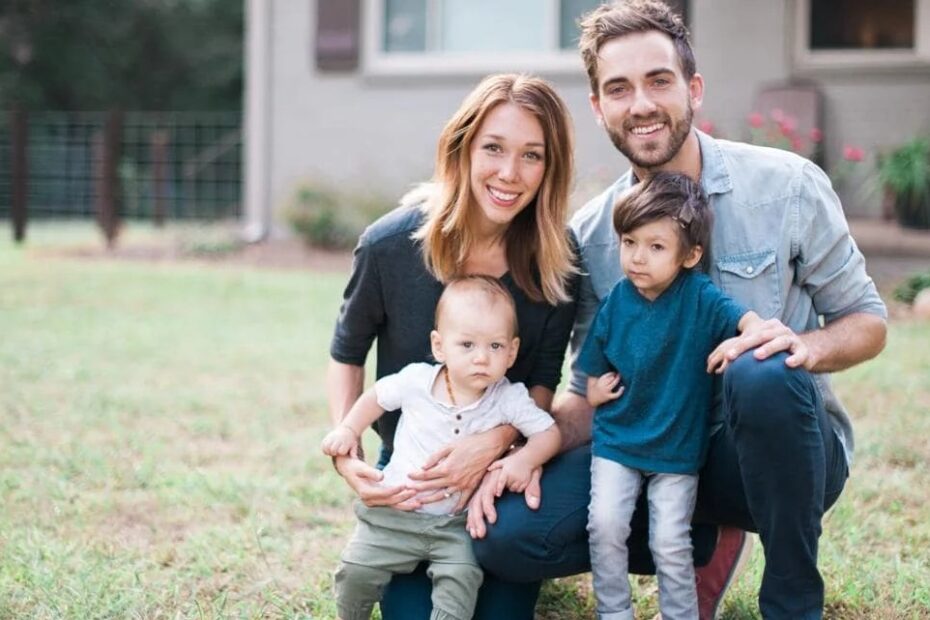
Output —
<point x="773" y="469"/>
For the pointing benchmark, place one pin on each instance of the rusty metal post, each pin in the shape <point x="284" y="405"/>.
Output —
<point x="19" y="144"/>
<point x="107" y="149"/>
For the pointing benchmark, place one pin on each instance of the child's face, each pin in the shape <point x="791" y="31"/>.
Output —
<point x="651" y="256"/>
<point x="475" y="340"/>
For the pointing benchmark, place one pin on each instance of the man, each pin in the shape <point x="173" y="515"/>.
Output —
<point x="781" y="442"/>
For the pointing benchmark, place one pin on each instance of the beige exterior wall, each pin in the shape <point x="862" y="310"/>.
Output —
<point x="380" y="132"/>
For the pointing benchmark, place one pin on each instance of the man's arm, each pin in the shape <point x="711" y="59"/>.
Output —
<point x="845" y="342"/>
<point x="832" y="269"/>
<point x="573" y="415"/>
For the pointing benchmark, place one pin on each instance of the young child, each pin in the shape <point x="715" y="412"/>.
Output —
<point x="647" y="357"/>
<point x="475" y="342"/>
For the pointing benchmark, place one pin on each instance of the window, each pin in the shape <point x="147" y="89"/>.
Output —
<point x="863" y="33"/>
<point x="473" y="36"/>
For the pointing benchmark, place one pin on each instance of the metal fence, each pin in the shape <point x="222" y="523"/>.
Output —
<point x="179" y="165"/>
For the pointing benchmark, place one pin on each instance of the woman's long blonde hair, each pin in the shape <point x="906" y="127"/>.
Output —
<point x="536" y="240"/>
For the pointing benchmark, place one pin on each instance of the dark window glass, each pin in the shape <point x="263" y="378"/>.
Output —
<point x="862" y="24"/>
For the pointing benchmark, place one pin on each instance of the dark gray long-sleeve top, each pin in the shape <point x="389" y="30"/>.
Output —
<point x="391" y="297"/>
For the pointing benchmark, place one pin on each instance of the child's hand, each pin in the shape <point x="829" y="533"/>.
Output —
<point x="604" y="388"/>
<point x="515" y="473"/>
<point x="341" y="441"/>
<point x="720" y="358"/>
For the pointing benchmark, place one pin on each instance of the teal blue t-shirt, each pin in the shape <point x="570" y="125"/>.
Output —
<point x="660" y="348"/>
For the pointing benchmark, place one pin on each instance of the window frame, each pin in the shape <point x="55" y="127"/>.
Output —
<point x="377" y="62"/>
<point x="855" y="59"/>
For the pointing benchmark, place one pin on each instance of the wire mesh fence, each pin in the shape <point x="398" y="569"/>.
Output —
<point x="172" y="165"/>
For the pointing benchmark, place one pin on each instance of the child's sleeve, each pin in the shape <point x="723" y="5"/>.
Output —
<point x="390" y="389"/>
<point x="725" y="312"/>
<point x="522" y="412"/>
<point x="592" y="360"/>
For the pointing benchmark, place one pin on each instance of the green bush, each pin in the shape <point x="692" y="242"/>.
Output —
<point x="907" y="291"/>
<point x="327" y="218"/>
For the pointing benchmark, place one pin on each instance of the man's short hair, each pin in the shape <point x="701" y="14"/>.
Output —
<point x="624" y="17"/>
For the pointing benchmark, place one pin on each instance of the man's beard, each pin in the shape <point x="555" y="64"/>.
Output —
<point x="648" y="158"/>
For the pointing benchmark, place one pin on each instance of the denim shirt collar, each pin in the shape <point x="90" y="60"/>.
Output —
<point x="715" y="173"/>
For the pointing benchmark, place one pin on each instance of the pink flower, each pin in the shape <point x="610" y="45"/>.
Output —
<point x="816" y="135"/>
<point x="797" y="144"/>
<point x="788" y="125"/>
<point x="853" y="153"/>
<point x="777" y="114"/>
<point x="707" y="127"/>
<point x="756" y="120"/>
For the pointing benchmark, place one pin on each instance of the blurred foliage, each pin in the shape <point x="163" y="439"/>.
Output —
<point x="328" y="218"/>
<point x="139" y="55"/>
<point x="907" y="291"/>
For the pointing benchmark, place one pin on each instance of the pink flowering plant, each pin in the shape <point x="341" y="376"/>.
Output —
<point x="781" y="130"/>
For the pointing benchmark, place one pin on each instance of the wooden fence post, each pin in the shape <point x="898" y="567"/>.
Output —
<point x="107" y="156"/>
<point x="159" y="154"/>
<point x="19" y="144"/>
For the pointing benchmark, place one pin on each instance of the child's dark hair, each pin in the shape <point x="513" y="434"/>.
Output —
<point x="489" y="286"/>
<point x="668" y="194"/>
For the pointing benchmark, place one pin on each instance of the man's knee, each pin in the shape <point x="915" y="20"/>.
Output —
<point x="766" y="394"/>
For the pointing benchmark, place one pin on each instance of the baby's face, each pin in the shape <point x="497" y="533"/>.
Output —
<point x="476" y="342"/>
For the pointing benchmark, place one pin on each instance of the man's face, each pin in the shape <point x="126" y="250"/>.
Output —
<point x="643" y="100"/>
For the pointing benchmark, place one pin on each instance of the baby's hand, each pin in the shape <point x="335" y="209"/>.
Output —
<point x="604" y="388"/>
<point x="515" y="473"/>
<point x="341" y="441"/>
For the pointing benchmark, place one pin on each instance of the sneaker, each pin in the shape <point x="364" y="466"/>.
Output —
<point x="732" y="552"/>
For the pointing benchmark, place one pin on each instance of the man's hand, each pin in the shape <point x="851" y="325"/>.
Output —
<point x="481" y="509"/>
<point x="459" y="467"/>
<point x="364" y="480"/>
<point x="341" y="441"/>
<point x="771" y="337"/>
<point x="604" y="388"/>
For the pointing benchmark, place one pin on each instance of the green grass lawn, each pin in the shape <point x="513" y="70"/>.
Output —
<point x="159" y="432"/>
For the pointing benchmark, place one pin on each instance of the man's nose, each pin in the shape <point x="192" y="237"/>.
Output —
<point x="643" y="104"/>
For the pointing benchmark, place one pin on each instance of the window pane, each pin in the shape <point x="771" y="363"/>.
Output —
<point x="492" y="26"/>
<point x="862" y="24"/>
<point x="405" y="25"/>
<point x="570" y="11"/>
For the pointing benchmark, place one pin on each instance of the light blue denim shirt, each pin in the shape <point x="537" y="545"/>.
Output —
<point x="780" y="246"/>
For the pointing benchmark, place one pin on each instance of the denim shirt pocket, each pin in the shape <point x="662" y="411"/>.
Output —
<point x="751" y="278"/>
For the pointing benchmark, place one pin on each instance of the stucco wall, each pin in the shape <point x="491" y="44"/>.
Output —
<point x="381" y="132"/>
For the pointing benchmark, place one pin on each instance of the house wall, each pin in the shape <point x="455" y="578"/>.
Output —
<point x="380" y="132"/>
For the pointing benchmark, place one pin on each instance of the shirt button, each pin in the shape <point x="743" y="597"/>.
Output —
<point x="458" y="416"/>
<point x="749" y="269"/>
<point x="456" y="431"/>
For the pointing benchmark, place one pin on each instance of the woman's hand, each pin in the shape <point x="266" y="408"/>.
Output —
<point x="460" y="466"/>
<point x="364" y="480"/>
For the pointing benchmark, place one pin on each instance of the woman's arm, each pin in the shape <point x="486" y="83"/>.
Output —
<point x="344" y="384"/>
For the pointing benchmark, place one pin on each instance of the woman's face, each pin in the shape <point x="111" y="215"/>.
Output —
<point x="508" y="162"/>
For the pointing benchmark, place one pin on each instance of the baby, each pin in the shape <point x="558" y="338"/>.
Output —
<point x="475" y="342"/>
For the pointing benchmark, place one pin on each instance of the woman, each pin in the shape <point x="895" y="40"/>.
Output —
<point x="497" y="206"/>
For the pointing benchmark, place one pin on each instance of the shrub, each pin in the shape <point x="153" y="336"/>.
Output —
<point x="907" y="291"/>
<point x="326" y="218"/>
